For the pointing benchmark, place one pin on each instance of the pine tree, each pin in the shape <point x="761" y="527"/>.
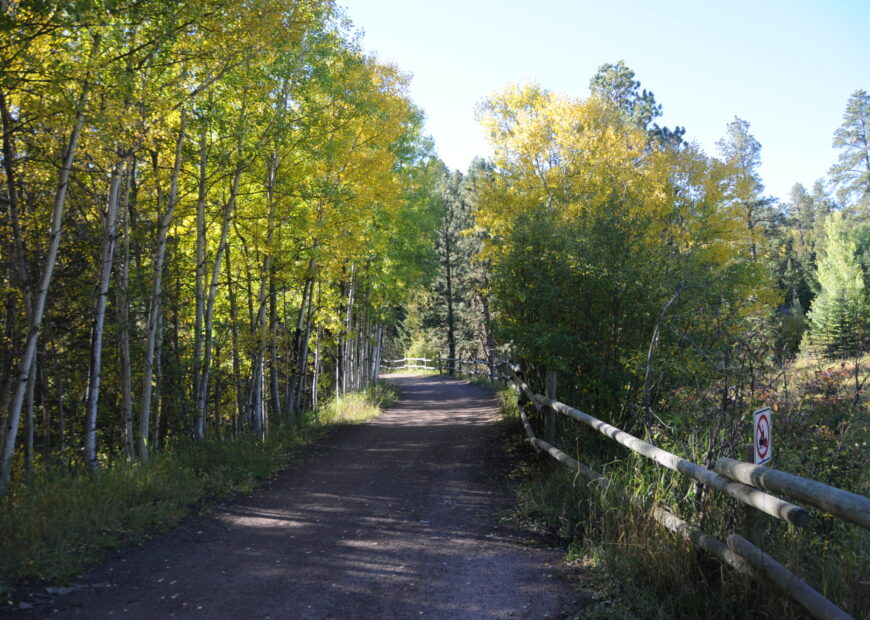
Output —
<point x="837" y="317"/>
<point x="615" y="84"/>
<point x="851" y="173"/>
<point x="741" y="153"/>
<point x="451" y="300"/>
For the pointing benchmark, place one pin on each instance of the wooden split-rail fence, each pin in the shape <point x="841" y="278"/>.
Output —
<point x="754" y="485"/>
<point x="469" y="367"/>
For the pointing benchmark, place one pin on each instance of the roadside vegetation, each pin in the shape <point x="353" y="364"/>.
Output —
<point x="58" y="522"/>
<point x="672" y="297"/>
<point x="632" y="567"/>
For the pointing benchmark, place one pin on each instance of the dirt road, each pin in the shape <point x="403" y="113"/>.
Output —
<point x="396" y="518"/>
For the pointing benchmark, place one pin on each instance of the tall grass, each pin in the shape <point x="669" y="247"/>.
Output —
<point x="358" y="406"/>
<point x="55" y="523"/>
<point x="635" y="568"/>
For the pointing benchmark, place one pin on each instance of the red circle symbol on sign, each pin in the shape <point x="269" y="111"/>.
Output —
<point x="762" y="437"/>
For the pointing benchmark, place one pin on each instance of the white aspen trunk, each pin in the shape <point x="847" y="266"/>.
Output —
<point x="288" y="375"/>
<point x="348" y="340"/>
<point x="370" y="353"/>
<point x="28" y="418"/>
<point x="380" y="353"/>
<point x="260" y="324"/>
<point x="299" y="404"/>
<point x="154" y="308"/>
<point x="366" y="369"/>
<point x="315" y="376"/>
<point x="255" y="400"/>
<point x="29" y="352"/>
<point x="218" y="395"/>
<point x="123" y="317"/>
<point x="300" y="344"/>
<point x="58" y="382"/>
<point x="20" y="258"/>
<point x="203" y="382"/>
<point x="376" y="345"/>
<point x="293" y="371"/>
<point x="354" y="359"/>
<point x="264" y="412"/>
<point x="274" y="388"/>
<point x="110" y="235"/>
<point x="362" y="348"/>
<point x="360" y="356"/>
<point x="6" y="355"/>
<point x="234" y="330"/>
<point x="199" y="420"/>
<point x="46" y="414"/>
<point x="347" y="371"/>
<point x="158" y="382"/>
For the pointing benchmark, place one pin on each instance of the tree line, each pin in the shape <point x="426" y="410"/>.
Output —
<point x="210" y="211"/>
<point x="673" y="297"/>
<point x="645" y="271"/>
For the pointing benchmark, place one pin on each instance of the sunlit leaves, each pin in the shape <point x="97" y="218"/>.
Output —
<point x="594" y="225"/>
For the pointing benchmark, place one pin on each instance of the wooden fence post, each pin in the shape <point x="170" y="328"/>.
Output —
<point x="550" y="432"/>
<point x="751" y="523"/>
<point x="750" y="532"/>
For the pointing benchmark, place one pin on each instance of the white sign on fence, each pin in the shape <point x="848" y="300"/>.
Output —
<point x="763" y="439"/>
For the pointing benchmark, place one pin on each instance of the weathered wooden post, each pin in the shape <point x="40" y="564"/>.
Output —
<point x="550" y="388"/>
<point x="750" y="532"/>
<point x="750" y="523"/>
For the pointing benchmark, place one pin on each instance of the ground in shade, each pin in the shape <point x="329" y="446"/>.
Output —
<point x="396" y="518"/>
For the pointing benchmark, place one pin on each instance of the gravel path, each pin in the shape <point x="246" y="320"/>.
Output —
<point x="395" y="518"/>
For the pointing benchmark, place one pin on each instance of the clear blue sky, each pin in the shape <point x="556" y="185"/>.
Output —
<point x="787" y="67"/>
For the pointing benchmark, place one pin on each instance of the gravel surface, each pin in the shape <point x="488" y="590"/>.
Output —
<point x="395" y="518"/>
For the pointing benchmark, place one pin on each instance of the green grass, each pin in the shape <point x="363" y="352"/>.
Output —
<point x="413" y="372"/>
<point x="359" y="406"/>
<point x="56" y="523"/>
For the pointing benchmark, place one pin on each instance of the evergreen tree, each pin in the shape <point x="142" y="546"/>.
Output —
<point x="481" y="318"/>
<point x="741" y="153"/>
<point x="851" y="173"/>
<point x="801" y="230"/>
<point x="861" y="235"/>
<point x="451" y="305"/>
<point x="837" y="318"/>
<point x="615" y="84"/>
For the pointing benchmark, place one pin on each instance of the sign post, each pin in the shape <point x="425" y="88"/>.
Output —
<point x="762" y="438"/>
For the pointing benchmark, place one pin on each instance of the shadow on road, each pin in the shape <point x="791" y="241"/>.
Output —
<point x="398" y="517"/>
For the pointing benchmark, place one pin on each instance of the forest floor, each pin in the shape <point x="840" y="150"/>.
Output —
<point x="405" y="516"/>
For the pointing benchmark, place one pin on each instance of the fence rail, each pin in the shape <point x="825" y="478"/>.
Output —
<point x="463" y="366"/>
<point x="742" y="481"/>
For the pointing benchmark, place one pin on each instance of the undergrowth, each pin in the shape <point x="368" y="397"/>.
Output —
<point x="629" y="566"/>
<point x="57" y="522"/>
